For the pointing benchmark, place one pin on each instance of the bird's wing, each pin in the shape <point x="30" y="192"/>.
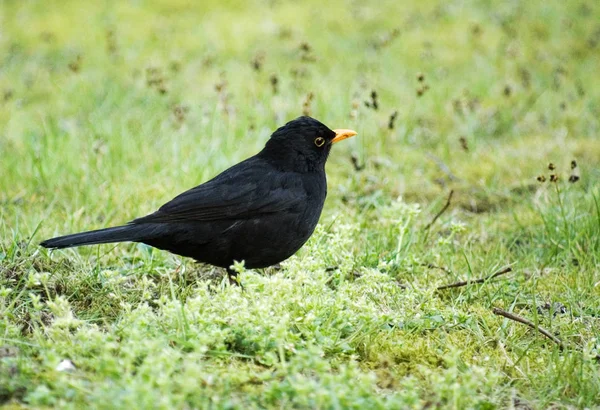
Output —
<point x="238" y="193"/>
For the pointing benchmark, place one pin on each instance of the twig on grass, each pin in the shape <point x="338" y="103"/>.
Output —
<point x="517" y="318"/>
<point x="441" y="211"/>
<point x="480" y="280"/>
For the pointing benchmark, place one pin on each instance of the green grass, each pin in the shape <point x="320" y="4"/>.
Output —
<point x="109" y="109"/>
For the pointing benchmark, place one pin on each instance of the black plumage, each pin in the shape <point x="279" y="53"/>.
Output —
<point x="260" y="211"/>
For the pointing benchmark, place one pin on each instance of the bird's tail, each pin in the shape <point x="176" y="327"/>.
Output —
<point x="123" y="233"/>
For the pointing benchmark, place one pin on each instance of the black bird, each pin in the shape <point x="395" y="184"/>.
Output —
<point x="260" y="211"/>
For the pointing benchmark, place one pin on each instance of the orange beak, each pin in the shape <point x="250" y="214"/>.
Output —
<point x="342" y="134"/>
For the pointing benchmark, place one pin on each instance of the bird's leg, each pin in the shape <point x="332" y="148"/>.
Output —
<point x="233" y="278"/>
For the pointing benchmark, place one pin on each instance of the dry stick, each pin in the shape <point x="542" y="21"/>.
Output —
<point x="529" y="323"/>
<point x="441" y="211"/>
<point x="480" y="280"/>
<point x="532" y="325"/>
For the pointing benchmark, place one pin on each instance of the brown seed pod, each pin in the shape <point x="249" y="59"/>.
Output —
<point x="306" y="105"/>
<point x="274" y="82"/>
<point x="304" y="46"/>
<point x="373" y="103"/>
<point x="258" y="61"/>
<point x="75" y="65"/>
<point x="392" y="120"/>
<point x="374" y="100"/>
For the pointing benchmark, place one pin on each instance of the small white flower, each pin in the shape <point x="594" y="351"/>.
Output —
<point x="65" y="366"/>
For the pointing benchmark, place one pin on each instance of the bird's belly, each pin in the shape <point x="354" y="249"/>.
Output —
<point x="269" y="240"/>
<point x="260" y="242"/>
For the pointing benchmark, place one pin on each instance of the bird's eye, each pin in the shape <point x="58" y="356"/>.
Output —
<point x="319" y="141"/>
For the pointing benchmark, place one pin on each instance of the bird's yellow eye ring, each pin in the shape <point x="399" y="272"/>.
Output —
<point x="319" y="141"/>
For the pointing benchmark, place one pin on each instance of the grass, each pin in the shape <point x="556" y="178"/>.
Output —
<point x="109" y="109"/>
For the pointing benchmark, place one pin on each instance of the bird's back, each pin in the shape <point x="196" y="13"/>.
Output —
<point x="253" y="213"/>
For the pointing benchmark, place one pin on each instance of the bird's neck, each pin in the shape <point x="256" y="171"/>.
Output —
<point x="291" y="160"/>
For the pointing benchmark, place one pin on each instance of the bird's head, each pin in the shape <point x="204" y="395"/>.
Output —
<point x="303" y="144"/>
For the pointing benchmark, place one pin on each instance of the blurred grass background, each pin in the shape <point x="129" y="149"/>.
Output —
<point x="108" y="109"/>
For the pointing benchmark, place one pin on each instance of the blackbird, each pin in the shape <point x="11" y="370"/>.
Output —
<point x="260" y="211"/>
